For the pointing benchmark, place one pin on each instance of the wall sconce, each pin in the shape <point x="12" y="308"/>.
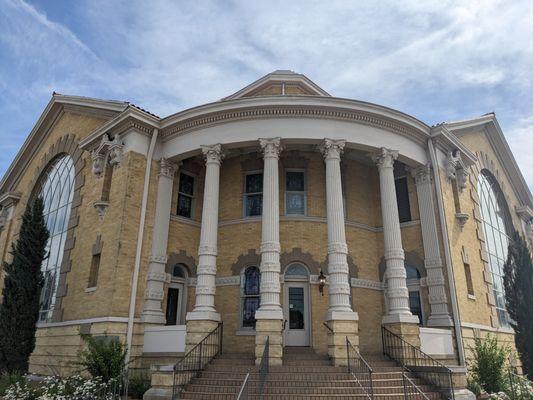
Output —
<point x="321" y="282"/>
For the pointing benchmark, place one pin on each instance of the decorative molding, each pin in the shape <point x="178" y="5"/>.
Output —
<point x="331" y="148"/>
<point x="385" y="158"/>
<point x="101" y="207"/>
<point x="228" y="280"/>
<point x="456" y="169"/>
<point x="366" y="284"/>
<point x="462" y="218"/>
<point x="181" y="258"/>
<point x="246" y="260"/>
<point x="271" y="147"/>
<point x="422" y="174"/>
<point x="213" y="153"/>
<point x="167" y="168"/>
<point x="108" y="151"/>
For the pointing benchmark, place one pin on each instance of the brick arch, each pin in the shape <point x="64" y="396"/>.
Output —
<point x="67" y="144"/>
<point x="246" y="260"/>
<point x="181" y="258"/>
<point x="411" y="258"/>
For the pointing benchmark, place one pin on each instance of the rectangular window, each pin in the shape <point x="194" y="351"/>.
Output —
<point x="253" y="195"/>
<point x="294" y="193"/>
<point x="402" y="198"/>
<point x="185" y="195"/>
<point x="469" y="283"/>
<point x="93" y="273"/>
<point x="415" y="305"/>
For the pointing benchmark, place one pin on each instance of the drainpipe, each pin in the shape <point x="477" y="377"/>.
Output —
<point x="447" y="255"/>
<point x="140" y="235"/>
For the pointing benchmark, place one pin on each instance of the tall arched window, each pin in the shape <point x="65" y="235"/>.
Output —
<point x="250" y="296"/>
<point x="413" y="285"/>
<point x="497" y="228"/>
<point x="57" y="191"/>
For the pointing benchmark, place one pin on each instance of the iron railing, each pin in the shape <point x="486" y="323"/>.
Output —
<point x="419" y="363"/>
<point x="360" y="370"/>
<point x="196" y="360"/>
<point x="410" y="390"/>
<point x="245" y="388"/>
<point x="263" y="367"/>
<point x="327" y="327"/>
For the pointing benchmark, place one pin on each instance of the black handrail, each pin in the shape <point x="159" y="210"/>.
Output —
<point x="264" y="367"/>
<point x="360" y="369"/>
<point x="196" y="360"/>
<point x="411" y="390"/>
<point x="327" y="326"/>
<point x="419" y="363"/>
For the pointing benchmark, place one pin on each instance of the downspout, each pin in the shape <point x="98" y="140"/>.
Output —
<point x="447" y="255"/>
<point x="137" y="265"/>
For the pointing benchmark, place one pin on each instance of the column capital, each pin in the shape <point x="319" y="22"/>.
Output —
<point x="167" y="168"/>
<point x="213" y="153"/>
<point x="332" y="149"/>
<point x="422" y="174"/>
<point x="271" y="147"/>
<point x="385" y="158"/>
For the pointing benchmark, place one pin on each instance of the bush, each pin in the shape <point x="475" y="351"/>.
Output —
<point x="487" y="367"/>
<point x="104" y="357"/>
<point x="138" y="385"/>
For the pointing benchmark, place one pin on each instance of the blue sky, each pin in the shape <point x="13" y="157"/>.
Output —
<point x="436" y="60"/>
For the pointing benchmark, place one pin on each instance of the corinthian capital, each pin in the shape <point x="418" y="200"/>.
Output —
<point x="167" y="168"/>
<point x="385" y="158"/>
<point x="271" y="147"/>
<point x="213" y="153"/>
<point x="332" y="148"/>
<point x="422" y="174"/>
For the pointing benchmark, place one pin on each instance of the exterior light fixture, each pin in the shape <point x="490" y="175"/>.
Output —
<point x="321" y="282"/>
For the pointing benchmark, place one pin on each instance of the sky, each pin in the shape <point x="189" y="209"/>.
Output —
<point x="436" y="60"/>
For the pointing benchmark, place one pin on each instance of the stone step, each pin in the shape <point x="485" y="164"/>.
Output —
<point x="305" y="363"/>
<point x="328" y="396"/>
<point x="282" y="369"/>
<point x="299" y="376"/>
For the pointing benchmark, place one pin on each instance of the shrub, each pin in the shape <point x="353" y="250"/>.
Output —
<point x="104" y="357"/>
<point x="487" y="366"/>
<point x="7" y="380"/>
<point x="139" y="384"/>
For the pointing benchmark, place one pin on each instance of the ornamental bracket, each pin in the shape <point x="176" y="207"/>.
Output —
<point x="108" y="151"/>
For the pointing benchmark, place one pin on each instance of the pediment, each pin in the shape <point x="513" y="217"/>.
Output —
<point x="280" y="83"/>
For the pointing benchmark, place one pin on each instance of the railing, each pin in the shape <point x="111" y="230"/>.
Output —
<point x="244" y="391"/>
<point x="360" y="370"/>
<point x="327" y="327"/>
<point x="519" y="387"/>
<point x="196" y="360"/>
<point x="410" y="390"/>
<point x="263" y="366"/>
<point x="416" y="361"/>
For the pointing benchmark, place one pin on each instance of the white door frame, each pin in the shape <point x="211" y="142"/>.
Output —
<point x="296" y="337"/>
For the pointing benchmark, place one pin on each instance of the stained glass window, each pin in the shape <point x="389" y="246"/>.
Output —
<point x="253" y="195"/>
<point x="57" y="191"/>
<point x="295" y="192"/>
<point x="250" y="296"/>
<point x="296" y="270"/>
<point x="185" y="195"/>
<point x="496" y="225"/>
<point x="178" y="271"/>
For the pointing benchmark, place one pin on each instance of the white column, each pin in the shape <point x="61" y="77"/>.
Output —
<point x="153" y="296"/>
<point x="397" y="292"/>
<point x="270" y="248"/>
<point x="438" y="301"/>
<point x="204" y="308"/>
<point x="339" y="279"/>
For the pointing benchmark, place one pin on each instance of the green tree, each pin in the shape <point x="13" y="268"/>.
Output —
<point x="518" y="282"/>
<point x="487" y="365"/>
<point x="23" y="282"/>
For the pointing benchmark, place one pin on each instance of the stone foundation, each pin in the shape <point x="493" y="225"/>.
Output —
<point x="340" y="330"/>
<point x="197" y="330"/>
<point x="272" y="329"/>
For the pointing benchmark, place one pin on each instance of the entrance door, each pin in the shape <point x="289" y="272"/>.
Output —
<point x="173" y="306"/>
<point x="296" y="310"/>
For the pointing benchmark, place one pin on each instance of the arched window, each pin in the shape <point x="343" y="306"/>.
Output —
<point x="178" y="271"/>
<point x="176" y="295"/>
<point x="57" y="191"/>
<point x="413" y="285"/>
<point x="497" y="228"/>
<point x="250" y="296"/>
<point x="297" y="270"/>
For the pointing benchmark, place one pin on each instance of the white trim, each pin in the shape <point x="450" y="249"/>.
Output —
<point x="97" y="320"/>
<point x="188" y="221"/>
<point x="366" y="284"/>
<point x="487" y="328"/>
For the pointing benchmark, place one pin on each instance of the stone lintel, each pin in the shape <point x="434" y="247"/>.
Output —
<point x="203" y="316"/>
<point x="269" y="314"/>
<point x="400" y="319"/>
<point x="435" y="321"/>
<point x="342" y="316"/>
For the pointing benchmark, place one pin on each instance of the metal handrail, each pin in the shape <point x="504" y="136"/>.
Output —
<point x="416" y="361"/>
<point x="327" y="326"/>
<point x="243" y="392"/>
<point x="196" y="359"/>
<point x="410" y="389"/>
<point x="264" y="367"/>
<point x="360" y="369"/>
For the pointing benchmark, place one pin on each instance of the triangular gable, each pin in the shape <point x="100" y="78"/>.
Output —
<point x="279" y="83"/>
<point x="488" y="124"/>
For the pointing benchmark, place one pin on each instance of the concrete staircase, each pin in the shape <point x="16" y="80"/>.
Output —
<point x="304" y="375"/>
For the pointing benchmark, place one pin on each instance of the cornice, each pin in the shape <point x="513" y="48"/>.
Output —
<point x="447" y="142"/>
<point x="294" y="107"/>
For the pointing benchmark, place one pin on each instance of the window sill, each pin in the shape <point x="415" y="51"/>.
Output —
<point x="472" y="297"/>
<point x="245" y="332"/>
<point x="90" y="289"/>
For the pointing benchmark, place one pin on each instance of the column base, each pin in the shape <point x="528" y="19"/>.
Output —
<point x="153" y="317"/>
<point x="273" y="329"/>
<point x="343" y="324"/>
<point x="197" y="330"/>
<point x="435" y="321"/>
<point x="408" y="329"/>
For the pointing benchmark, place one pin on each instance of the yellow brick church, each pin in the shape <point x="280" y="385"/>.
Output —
<point x="279" y="216"/>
